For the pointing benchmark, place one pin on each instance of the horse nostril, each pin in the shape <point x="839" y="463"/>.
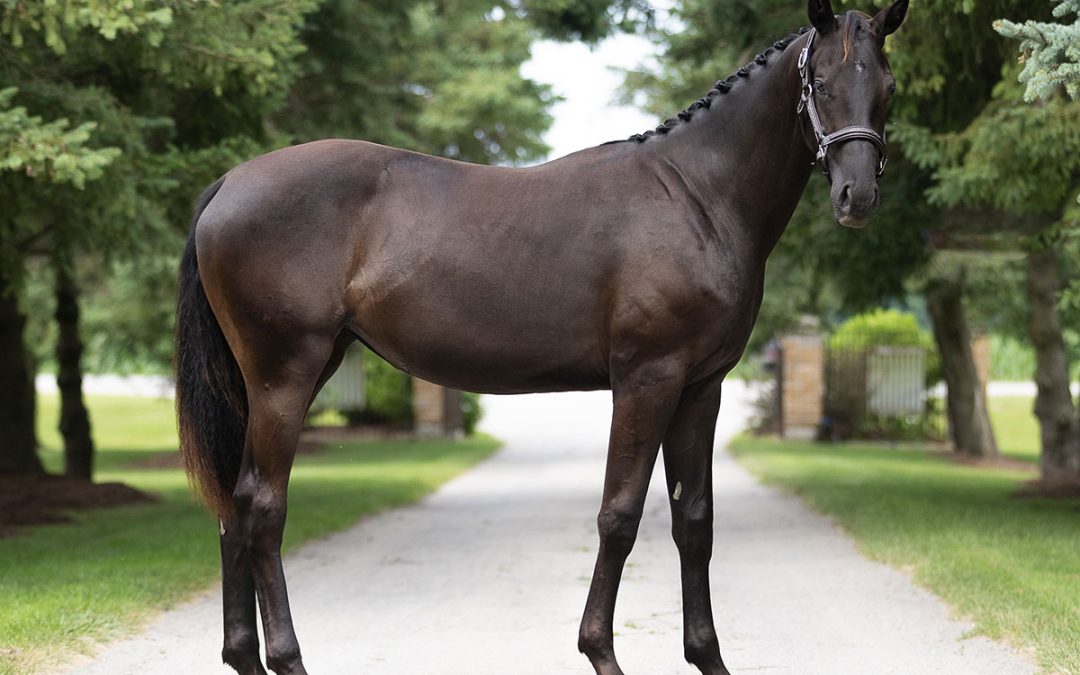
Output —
<point x="845" y="195"/>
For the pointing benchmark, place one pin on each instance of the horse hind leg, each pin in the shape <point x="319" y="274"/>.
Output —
<point x="241" y="639"/>
<point x="281" y="380"/>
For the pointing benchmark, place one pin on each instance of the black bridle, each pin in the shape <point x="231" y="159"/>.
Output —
<point x="824" y="140"/>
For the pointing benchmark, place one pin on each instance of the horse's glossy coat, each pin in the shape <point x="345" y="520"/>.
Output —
<point x="636" y="266"/>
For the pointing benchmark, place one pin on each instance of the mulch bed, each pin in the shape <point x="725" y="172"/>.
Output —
<point x="319" y="436"/>
<point x="312" y="439"/>
<point x="45" y="498"/>
<point x="987" y="462"/>
<point x="1033" y="489"/>
<point x="1039" y="489"/>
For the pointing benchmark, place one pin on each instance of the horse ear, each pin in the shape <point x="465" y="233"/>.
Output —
<point x="889" y="19"/>
<point x="821" y="16"/>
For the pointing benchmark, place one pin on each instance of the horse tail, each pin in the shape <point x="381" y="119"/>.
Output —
<point x="211" y="401"/>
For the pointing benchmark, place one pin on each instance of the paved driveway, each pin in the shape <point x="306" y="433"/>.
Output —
<point x="489" y="576"/>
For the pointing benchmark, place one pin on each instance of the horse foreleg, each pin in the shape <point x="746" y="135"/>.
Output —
<point x="643" y="406"/>
<point x="688" y="453"/>
<point x="241" y="646"/>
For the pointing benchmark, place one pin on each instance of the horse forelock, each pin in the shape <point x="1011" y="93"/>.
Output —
<point x="851" y="23"/>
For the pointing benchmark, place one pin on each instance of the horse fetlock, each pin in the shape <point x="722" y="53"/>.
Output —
<point x="606" y="665"/>
<point x="241" y="652"/>
<point x="702" y="649"/>
<point x="595" y="640"/>
<point x="713" y="669"/>
<point x="602" y="659"/>
<point x="285" y="660"/>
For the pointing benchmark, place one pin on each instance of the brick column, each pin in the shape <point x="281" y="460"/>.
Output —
<point x="802" y="385"/>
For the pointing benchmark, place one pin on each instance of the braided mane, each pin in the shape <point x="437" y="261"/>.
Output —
<point x="721" y="87"/>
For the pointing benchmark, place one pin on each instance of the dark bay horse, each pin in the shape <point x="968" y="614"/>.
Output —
<point x="636" y="266"/>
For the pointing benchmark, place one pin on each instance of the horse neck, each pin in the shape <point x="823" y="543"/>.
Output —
<point x="746" y="160"/>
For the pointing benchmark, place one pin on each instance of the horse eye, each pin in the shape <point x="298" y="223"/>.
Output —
<point x="819" y="86"/>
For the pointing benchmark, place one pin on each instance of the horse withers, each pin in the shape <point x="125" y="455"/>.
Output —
<point x="637" y="266"/>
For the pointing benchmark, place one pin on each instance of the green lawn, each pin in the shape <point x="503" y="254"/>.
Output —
<point x="1012" y="565"/>
<point x="1015" y="427"/>
<point x="126" y="429"/>
<point x="65" y="586"/>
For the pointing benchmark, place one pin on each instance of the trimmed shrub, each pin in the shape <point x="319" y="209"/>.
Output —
<point x="388" y="392"/>
<point x="471" y="411"/>
<point x="881" y="328"/>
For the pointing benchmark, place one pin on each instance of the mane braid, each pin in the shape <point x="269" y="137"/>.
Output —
<point x="721" y="87"/>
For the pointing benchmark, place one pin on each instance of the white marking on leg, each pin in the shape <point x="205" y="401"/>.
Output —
<point x="678" y="491"/>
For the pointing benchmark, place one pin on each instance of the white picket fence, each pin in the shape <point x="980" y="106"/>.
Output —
<point x="895" y="381"/>
<point x="345" y="390"/>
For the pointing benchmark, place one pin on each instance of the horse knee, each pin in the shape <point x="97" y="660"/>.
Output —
<point x="618" y="528"/>
<point x="691" y="528"/>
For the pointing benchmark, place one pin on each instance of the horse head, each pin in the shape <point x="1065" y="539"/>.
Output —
<point x="846" y="88"/>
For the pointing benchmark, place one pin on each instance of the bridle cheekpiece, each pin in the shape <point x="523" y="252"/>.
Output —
<point x="824" y="140"/>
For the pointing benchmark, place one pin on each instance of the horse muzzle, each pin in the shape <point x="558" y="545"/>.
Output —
<point x="854" y="201"/>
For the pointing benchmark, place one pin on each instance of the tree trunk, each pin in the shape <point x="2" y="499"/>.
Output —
<point x="969" y="419"/>
<point x="18" y="447"/>
<point x="1060" y="428"/>
<point x="74" y="420"/>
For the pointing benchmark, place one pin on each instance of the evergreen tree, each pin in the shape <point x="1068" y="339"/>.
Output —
<point x="1051" y="51"/>
<point x="33" y="153"/>
<point x="123" y="81"/>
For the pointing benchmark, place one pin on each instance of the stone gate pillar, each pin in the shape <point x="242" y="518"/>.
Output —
<point x="436" y="410"/>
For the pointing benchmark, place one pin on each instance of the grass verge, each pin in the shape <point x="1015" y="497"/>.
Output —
<point x="65" y="587"/>
<point x="1011" y="565"/>
<point x="1015" y="427"/>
